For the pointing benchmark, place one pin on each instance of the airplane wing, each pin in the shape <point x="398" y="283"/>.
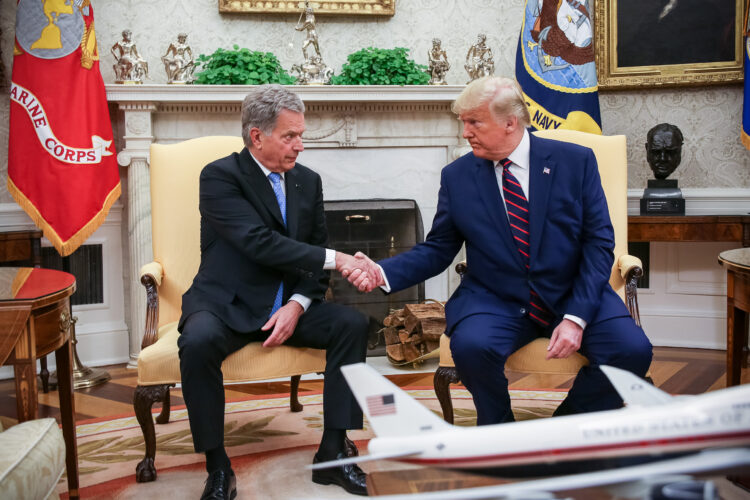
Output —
<point x="705" y="461"/>
<point x="362" y="458"/>
<point x="633" y="390"/>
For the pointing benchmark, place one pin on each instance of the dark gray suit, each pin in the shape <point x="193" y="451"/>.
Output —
<point x="246" y="252"/>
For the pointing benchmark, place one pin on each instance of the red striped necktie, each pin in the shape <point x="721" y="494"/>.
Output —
<point x="518" y="216"/>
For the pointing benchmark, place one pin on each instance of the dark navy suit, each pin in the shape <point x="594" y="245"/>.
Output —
<point x="571" y="257"/>
<point x="246" y="252"/>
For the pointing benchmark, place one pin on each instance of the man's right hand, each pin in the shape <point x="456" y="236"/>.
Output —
<point x="360" y="270"/>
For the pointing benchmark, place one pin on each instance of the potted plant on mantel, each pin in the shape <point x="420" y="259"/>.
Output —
<point x="241" y="67"/>
<point x="373" y="66"/>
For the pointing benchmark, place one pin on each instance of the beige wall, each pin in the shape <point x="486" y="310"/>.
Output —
<point x="709" y="117"/>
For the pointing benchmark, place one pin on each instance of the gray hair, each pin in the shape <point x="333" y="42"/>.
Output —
<point x="262" y="107"/>
<point x="504" y="96"/>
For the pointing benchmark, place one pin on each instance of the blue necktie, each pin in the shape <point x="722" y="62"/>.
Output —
<point x="518" y="216"/>
<point x="281" y="199"/>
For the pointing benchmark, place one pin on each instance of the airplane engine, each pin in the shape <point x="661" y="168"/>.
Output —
<point x="684" y="490"/>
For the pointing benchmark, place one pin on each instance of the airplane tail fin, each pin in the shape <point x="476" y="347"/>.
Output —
<point x="633" y="390"/>
<point x="390" y="411"/>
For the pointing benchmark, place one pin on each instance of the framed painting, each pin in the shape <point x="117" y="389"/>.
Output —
<point x="653" y="43"/>
<point x="344" y="7"/>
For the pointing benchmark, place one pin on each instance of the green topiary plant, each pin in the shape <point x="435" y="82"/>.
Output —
<point x="373" y="66"/>
<point x="241" y="67"/>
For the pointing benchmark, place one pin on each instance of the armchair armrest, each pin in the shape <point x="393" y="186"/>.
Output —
<point x="631" y="270"/>
<point x="151" y="275"/>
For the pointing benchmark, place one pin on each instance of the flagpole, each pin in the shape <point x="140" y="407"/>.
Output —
<point x="83" y="376"/>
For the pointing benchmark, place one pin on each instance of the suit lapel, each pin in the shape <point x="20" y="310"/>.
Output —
<point x="541" y="172"/>
<point x="260" y="185"/>
<point x="489" y="192"/>
<point x="292" y="202"/>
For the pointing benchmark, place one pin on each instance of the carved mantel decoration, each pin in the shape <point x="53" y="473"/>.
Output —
<point x="344" y="7"/>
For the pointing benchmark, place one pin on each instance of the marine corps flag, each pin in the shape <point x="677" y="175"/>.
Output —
<point x="61" y="163"/>
<point x="555" y="65"/>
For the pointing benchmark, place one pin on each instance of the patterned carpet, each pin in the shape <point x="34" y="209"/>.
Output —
<point x="268" y="444"/>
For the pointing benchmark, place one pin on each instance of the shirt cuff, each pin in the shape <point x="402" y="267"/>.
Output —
<point x="386" y="287"/>
<point x="330" y="262"/>
<point x="301" y="300"/>
<point x="575" y="319"/>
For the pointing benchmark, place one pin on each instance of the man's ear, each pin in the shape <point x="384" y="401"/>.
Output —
<point x="510" y="123"/>
<point x="255" y="137"/>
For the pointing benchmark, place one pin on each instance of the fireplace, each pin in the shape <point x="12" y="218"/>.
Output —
<point x="380" y="228"/>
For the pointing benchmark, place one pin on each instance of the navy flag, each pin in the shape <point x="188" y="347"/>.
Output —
<point x="555" y="65"/>
<point x="746" y="96"/>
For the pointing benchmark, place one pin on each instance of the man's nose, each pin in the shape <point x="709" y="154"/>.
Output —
<point x="299" y="146"/>
<point x="467" y="131"/>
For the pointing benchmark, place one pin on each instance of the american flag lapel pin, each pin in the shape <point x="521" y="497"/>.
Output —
<point x="545" y="170"/>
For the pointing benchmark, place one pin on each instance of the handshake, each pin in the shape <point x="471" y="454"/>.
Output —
<point x="360" y="270"/>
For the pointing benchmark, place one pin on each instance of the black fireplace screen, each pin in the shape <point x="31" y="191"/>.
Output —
<point x="379" y="228"/>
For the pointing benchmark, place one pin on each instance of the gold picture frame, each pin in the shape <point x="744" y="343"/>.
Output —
<point x="342" y="7"/>
<point x="643" y="53"/>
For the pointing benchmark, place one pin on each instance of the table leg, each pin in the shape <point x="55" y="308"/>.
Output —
<point x="737" y="321"/>
<point x="64" y="358"/>
<point x="25" y="375"/>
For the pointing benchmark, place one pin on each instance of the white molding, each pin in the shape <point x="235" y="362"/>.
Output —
<point x="674" y="285"/>
<point x="308" y="93"/>
<point x="703" y="201"/>
<point x="678" y="313"/>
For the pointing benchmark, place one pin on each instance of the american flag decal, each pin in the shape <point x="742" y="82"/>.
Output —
<point x="383" y="404"/>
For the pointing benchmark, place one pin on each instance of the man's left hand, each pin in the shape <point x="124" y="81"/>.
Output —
<point x="283" y="322"/>
<point x="565" y="340"/>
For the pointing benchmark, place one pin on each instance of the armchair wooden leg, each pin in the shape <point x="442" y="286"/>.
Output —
<point x="144" y="398"/>
<point x="294" y="403"/>
<point x="444" y="377"/>
<point x="166" y="407"/>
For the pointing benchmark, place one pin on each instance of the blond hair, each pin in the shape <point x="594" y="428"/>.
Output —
<point x="503" y="95"/>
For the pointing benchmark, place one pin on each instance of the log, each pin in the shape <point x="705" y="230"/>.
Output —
<point x="395" y="352"/>
<point x="411" y="351"/>
<point x="432" y="328"/>
<point x="395" y="319"/>
<point x="391" y="335"/>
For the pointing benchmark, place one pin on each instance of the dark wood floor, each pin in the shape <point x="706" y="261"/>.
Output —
<point x="675" y="370"/>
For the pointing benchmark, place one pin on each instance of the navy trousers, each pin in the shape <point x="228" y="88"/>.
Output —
<point x="481" y="343"/>
<point x="206" y="341"/>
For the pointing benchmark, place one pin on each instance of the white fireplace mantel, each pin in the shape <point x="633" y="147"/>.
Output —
<point x="308" y="93"/>
<point x="358" y="138"/>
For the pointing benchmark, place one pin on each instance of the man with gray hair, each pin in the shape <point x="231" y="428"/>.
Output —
<point x="262" y="278"/>
<point x="539" y="250"/>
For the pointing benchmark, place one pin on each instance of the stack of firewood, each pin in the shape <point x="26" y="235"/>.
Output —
<point x="413" y="331"/>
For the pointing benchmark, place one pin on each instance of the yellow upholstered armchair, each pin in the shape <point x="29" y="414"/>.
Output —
<point x="175" y="226"/>
<point x="611" y="156"/>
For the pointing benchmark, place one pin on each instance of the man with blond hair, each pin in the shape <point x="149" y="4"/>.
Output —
<point x="539" y="249"/>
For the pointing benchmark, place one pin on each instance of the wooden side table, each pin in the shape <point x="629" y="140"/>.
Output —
<point x="737" y="264"/>
<point x="35" y="321"/>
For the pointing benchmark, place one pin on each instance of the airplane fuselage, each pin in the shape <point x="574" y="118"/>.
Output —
<point x="686" y="424"/>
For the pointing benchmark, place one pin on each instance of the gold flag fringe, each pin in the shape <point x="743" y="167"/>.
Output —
<point x="67" y="247"/>
<point x="746" y="139"/>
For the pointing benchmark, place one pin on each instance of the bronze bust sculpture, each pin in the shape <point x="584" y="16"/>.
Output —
<point x="664" y="149"/>
<point x="663" y="153"/>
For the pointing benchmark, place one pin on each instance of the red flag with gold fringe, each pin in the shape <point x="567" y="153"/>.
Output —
<point x="61" y="163"/>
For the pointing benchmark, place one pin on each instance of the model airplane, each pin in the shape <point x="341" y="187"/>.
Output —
<point x="677" y="435"/>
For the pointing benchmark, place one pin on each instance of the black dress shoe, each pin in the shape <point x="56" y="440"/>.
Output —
<point x="220" y="485"/>
<point x="350" y="477"/>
